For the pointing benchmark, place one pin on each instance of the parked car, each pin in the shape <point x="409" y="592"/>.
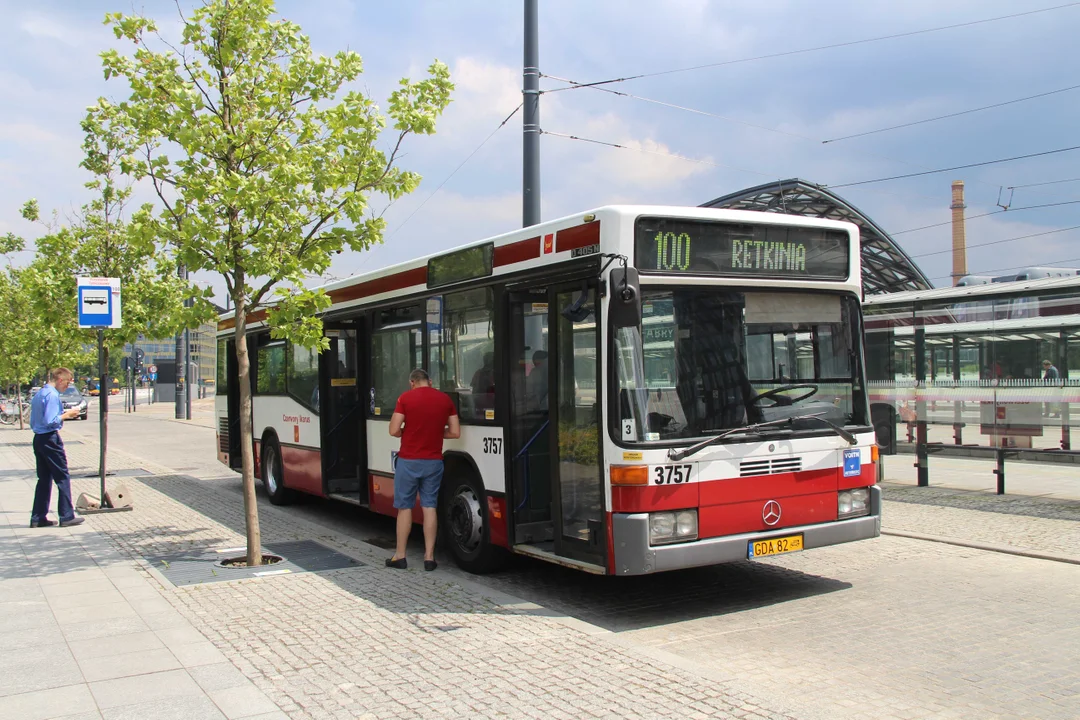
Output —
<point x="72" y="398"/>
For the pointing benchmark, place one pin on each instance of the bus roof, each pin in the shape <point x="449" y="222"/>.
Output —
<point x="1019" y="287"/>
<point x="569" y="222"/>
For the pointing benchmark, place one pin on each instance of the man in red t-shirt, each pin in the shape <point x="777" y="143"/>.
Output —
<point x="423" y="418"/>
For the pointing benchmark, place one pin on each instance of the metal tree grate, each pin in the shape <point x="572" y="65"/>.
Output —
<point x="199" y="566"/>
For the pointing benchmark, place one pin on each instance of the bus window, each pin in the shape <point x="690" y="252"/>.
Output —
<point x="461" y="356"/>
<point x="396" y="350"/>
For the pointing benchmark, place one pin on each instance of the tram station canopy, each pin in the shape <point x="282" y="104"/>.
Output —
<point x="886" y="267"/>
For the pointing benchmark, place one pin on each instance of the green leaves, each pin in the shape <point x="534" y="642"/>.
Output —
<point x="271" y="164"/>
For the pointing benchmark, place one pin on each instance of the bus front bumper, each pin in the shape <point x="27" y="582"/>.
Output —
<point x="634" y="555"/>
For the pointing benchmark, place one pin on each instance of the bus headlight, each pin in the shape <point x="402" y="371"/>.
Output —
<point x="853" y="503"/>
<point x="669" y="527"/>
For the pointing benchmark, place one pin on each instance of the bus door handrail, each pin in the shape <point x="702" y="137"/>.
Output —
<point x="524" y="449"/>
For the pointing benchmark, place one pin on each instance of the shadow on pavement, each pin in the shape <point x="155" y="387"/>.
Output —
<point x="614" y="603"/>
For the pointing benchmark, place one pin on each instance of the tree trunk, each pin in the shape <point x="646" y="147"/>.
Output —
<point x="247" y="455"/>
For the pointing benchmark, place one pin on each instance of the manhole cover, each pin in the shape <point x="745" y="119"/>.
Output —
<point x="199" y="566"/>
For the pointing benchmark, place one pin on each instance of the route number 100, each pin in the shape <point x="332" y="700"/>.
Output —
<point x="672" y="251"/>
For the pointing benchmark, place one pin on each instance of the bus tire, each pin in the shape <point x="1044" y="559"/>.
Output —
<point x="273" y="475"/>
<point x="463" y="519"/>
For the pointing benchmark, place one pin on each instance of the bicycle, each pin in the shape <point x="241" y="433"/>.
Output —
<point x="8" y="412"/>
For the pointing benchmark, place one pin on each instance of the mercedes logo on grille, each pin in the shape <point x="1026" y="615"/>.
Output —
<point x="771" y="512"/>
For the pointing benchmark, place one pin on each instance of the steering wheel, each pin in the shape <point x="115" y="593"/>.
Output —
<point x="785" y="400"/>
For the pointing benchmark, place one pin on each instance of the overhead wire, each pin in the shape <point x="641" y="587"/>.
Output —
<point x="992" y="212"/>
<point x="1038" y="184"/>
<point x="367" y="256"/>
<point x="956" y="167"/>
<point x="831" y="46"/>
<point x="707" y="113"/>
<point x="998" y="242"/>
<point x="1012" y="267"/>
<point x="950" y="115"/>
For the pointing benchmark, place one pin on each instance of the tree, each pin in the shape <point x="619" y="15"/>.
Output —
<point x="103" y="241"/>
<point x="262" y="164"/>
<point x="29" y="344"/>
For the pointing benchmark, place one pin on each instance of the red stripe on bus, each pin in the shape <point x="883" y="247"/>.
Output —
<point x="497" y="533"/>
<point x="516" y="252"/>
<point x="302" y="469"/>
<point x="257" y="316"/>
<point x="577" y="236"/>
<point x="744" y="517"/>
<point x="378" y="286"/>
<point x="867" y="476"/>
<point x="649" y="498"/>
<point x="768" y="487"/>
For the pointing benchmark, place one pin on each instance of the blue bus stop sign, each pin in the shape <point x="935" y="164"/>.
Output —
<point x="98" y="302"/>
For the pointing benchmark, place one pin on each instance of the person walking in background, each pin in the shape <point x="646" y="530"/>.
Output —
<point x="1050" y="375"/>
<point x="47" y="416"/>
<point x="423" y="418"/>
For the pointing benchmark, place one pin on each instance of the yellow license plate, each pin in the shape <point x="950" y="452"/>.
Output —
<point x="774" y="546"/>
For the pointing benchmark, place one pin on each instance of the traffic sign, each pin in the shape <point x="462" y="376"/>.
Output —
<point x="152" y="376"/>
<point x="98" y="302"/>
<point x="152" y="369"/>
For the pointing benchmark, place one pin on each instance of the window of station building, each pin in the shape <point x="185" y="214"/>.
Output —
<point x="222" y="368"/>
<point x="270" y="370"/>
<point x="397" y="348"/>
<point x="461" y="350"/>
<point x="303" y="375"/>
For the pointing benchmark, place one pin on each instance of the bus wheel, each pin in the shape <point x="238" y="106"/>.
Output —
<point x="464" y="524"/>
<point x="272" y="476"/>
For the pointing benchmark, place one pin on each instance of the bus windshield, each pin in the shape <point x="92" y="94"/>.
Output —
<point x="706" y="360"/>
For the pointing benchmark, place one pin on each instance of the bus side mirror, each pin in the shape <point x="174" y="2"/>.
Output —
<point x="625" y="290"/>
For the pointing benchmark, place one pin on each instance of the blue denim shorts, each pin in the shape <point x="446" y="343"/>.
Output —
<point x="412" y="476"/>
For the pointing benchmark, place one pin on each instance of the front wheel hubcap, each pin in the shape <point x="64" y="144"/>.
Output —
<point x="271" y="471"/>
<point x="465" y="520"/>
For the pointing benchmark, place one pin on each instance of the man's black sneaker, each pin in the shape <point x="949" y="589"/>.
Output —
<point x="42" y="523"/>
<point x="73" y="521"/>
<point x="399" y="564"/>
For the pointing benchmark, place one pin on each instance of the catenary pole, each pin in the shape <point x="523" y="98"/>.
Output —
<point x="530" y="185"/>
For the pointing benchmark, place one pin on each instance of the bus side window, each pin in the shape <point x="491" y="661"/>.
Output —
<point x="396" y="350"/>
<point x="461" y="360"/>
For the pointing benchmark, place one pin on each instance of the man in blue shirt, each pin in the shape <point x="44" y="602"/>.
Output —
<point x="47" y="416"/>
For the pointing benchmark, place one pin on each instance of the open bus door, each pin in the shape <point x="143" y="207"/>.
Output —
<point x="556" y="490"/>
<point x="232" y="385"/>
<point x="341" y="414"/>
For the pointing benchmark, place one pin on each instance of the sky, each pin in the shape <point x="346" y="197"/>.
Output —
<point x="759" y="119"/>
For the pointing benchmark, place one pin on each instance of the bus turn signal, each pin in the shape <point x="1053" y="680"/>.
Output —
<point x="629" y="474"/>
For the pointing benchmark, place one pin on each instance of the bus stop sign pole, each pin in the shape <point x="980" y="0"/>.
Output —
<point x="98" y="307"/>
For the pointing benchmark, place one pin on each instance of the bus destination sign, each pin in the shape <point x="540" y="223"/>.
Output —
<point x="705" y="247"/>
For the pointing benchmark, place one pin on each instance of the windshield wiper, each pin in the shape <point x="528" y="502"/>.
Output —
<point x="677" y="455"/>
<point x="851" y="439"/>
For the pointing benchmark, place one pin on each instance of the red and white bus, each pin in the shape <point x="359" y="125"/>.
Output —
<point x="640" y="389"/>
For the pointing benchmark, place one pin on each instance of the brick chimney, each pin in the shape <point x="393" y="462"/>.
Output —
<point x="959" y="234"/>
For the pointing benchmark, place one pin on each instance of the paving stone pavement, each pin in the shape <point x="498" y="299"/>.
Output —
<point x="84" y="633"/>
<point x="843" y="629"/>
<point x="371" y="642"/>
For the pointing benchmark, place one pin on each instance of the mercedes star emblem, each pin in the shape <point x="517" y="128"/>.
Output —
<point x="771" y="512"/>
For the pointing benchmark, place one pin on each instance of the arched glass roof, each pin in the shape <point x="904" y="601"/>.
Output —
<point x="886" y="267"/>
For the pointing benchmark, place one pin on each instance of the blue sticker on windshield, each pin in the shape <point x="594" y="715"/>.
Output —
<point x="852" y="463"/>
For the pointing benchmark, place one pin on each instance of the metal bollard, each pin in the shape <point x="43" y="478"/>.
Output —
<point x="922" y="456"/>
<point x="1000" y="472"/>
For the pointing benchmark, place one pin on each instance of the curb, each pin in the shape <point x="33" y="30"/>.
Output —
<point x="989" y="547"/>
